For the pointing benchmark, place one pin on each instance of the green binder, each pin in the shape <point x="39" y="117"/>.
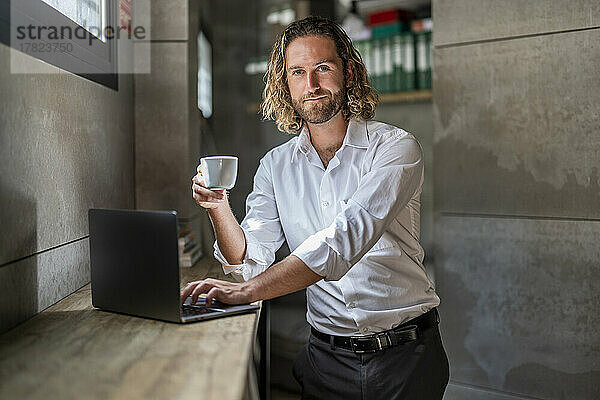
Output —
<point x="409" y="61"/>
<point x="423" y="52"/>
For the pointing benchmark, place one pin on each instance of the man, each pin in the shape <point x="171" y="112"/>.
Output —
<point x="344" y="194"/>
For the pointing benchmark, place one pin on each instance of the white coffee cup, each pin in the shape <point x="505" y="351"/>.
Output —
<point x="219" y="172"/>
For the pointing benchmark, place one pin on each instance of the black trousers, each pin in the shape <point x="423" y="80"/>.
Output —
<point x="416" y="370"/>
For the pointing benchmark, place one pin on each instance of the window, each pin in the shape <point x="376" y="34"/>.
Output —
<point x="90" y="14"/>
<point x="204" y="75"/>
<point x="74" y="35"/>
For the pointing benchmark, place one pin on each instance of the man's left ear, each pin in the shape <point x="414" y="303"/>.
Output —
<point x="349" y="73"/>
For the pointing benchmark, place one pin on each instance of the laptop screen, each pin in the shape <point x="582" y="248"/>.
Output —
<point x="134" y="262"/>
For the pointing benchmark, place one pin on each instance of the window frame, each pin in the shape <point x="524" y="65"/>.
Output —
<point x="99" y="58"/>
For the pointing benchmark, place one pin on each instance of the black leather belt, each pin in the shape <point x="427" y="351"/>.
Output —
<point x="407" y="332"/>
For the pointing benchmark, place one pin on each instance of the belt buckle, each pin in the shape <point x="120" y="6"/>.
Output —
<point x="354" y="340"/>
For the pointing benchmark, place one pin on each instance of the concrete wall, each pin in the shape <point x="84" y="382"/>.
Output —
<point x="416" y="118"/>
<point x="66" y="145"/>
<point x="167" y="118"/>
<point x="516" y="180"/>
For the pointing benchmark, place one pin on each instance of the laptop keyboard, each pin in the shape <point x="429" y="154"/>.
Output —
<point x="201" y="308"/>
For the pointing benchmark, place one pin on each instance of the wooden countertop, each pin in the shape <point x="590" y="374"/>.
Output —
<point x="73" y="351"/>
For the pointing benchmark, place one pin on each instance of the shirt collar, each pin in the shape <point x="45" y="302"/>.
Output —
<point x="356" y="136"/>
<point x="303" y="143"/>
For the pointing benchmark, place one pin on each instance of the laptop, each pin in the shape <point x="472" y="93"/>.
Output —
<point x="134" y="263"/>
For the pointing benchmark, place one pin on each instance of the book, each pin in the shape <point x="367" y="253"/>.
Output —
<point x="187" y="247"/>
<point x="185" y="239"/>
<point x="423" y="59"/>
<point x="385" y="31"/>
<point x="408" y="63"/>
<point x="389" y="16"/>
<point x="189" y="250"/>
<point x="189" y="258"/>
<point x="367" y="48"/>
<point x="422" y="25"/>
<point x="398" y="78"/>
<point x="388" y="68"/>
<point x="375" y="63"/>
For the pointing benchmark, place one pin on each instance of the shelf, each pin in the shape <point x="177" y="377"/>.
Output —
<point x="415" y="96"/>
<point x="406" y="97"/>
<point x="367" y="7"/>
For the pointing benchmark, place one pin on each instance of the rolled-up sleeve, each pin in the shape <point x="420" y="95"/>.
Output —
<point x="394" y="177"/>
<point x="261" y="226"/>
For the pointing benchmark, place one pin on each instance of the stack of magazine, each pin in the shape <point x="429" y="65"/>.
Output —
<point x="190" y="250"/>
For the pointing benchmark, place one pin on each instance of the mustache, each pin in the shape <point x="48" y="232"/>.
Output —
<point x="314" y="94"/>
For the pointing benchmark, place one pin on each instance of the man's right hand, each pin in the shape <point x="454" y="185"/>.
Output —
<point x="205" y="197"/>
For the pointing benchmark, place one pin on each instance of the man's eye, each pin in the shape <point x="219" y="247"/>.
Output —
<point x="322" y="68"/>
<point x="296" y="72"/>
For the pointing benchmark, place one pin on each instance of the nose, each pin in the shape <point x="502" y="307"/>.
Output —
<point x="312" y="82"/>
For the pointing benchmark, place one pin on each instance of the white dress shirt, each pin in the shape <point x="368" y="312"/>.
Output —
<point x="356" y="223"/>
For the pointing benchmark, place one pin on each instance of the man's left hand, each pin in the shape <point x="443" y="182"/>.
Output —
<point x="225" y="292"/>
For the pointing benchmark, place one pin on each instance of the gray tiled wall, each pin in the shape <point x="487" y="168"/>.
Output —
<point x="462" y="392"/>
<point x="520" y="300"/>
<point x="517" y="126"/>
<point x="66" y="145"/>
<point x="36" y="282"/>
<point x="458" y="21"/>
<point x="516" y="182"/>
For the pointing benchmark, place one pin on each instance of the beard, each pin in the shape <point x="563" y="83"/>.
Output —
<point x="320" y="111"/>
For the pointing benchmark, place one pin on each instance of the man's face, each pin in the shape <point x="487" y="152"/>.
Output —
<point x="315" y="78"/>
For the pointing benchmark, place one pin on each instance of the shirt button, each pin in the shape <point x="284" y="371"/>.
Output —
<point x="351" y="305"/>
<point x="325" y="203"/>
<point x="364" y="330"/>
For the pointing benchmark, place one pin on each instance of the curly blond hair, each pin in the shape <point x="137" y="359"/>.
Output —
<point x="361" y="98"/>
